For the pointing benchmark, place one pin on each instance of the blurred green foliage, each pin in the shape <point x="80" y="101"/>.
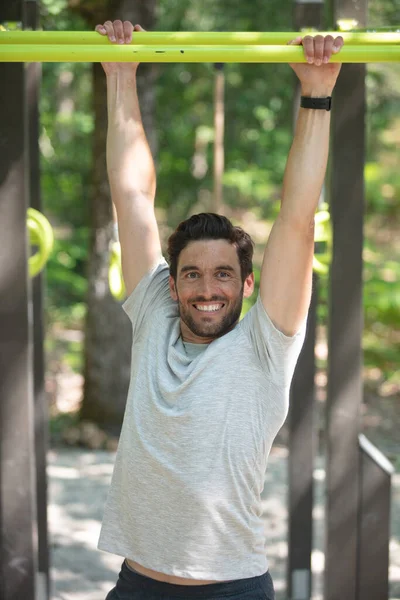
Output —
<point x="258" y="109"/>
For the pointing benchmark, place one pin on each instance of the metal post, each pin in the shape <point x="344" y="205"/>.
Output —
<point x="345" y="385"/>
<point x="302" y="438"/>
<point x="17" y="497"/>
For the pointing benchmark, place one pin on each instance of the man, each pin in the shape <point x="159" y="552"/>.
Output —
<point x="208" y="393"/>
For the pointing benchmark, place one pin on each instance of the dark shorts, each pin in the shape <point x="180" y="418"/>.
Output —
<point x="133" y="586"/>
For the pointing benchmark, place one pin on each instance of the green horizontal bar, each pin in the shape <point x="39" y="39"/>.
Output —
<point x="188" y="38"/>
<point x="188" y="54"/>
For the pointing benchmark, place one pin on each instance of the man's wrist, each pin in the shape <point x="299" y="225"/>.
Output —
<point x="314" y="92"/>
<point x="123" y="72"/>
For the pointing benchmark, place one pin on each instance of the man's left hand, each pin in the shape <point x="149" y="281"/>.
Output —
<point x="318" y="76"/>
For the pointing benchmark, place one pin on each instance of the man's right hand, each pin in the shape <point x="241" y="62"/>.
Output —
<point x="118" y="32"/>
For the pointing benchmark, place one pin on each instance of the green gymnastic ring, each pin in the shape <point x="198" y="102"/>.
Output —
<point x="40" y="235"/>
<point x="323" y="233"/>
<point x="115" y="278"/>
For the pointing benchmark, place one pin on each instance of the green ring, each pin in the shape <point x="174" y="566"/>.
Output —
<point x="41" y="235"/>
<point x="323" y="233"/>
<point x="115" y="278"/>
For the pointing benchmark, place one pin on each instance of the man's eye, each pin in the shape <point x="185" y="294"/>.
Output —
<point x="223" y="274"/>
<point x="192" y="275"/>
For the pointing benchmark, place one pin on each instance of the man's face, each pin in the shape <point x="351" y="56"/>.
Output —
<point x="209" y="290"/>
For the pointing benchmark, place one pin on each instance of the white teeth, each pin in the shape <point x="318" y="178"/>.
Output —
<point x="210" y="308"/>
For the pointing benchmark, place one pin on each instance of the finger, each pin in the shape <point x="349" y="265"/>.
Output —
<point x="318" y="50"/>
<point x="119" y="31"/>
<point x="337" y="44"/>
<point x="328" y="48"/>
<point x="109" y="27"/>
<point x="308" y="45"/>
<point x="128" y="28"/>
<point x="138" y="28"/>
<point x="295" y="42"/>
<point x="100" y="29"/>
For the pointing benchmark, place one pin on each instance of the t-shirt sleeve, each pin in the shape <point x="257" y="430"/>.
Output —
<point x="149" y="296"/>
<point x="276" y="352"/>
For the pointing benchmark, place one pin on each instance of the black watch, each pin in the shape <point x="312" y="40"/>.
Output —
<point x="318" y="103"/>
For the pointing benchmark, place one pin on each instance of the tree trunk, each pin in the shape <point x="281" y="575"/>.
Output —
<point x="108" y="332"/>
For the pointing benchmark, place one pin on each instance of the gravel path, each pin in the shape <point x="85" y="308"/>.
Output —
<point x="78" y="484"/>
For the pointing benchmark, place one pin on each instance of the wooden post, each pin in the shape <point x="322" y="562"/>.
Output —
<point x="302" y="440"/>
<point x="301" y="464"/>
<point x="345" y="385"/>
<point x="17" y="470"/>
<point x="33" y="73"/>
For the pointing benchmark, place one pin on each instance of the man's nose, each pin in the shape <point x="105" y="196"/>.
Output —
<point x="207" y="287"/>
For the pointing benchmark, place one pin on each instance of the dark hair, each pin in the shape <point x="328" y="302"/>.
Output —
<point x="210" y="226"/>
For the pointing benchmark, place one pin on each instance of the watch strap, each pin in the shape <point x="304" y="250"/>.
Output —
<point x="316" y="103"/>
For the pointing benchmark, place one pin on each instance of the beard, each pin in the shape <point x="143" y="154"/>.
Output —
<point x="212" y="329"/>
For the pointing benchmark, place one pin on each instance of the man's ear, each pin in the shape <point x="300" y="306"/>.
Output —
<point x="248" y="287"/>
<point x="172" y="288"/>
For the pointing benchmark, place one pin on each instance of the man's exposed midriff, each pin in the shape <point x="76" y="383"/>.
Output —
<point x="167" y="578"/>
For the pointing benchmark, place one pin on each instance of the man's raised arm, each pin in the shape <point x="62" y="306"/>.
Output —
<point x="130" y="164"/>
<point x="286" y="275"/>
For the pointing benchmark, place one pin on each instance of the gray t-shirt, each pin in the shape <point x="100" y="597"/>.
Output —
<point x="198" y="428"/>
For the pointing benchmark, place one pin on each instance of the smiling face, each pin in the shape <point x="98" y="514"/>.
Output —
<point x="209" y="290"/>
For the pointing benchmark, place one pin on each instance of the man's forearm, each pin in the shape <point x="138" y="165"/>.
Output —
<point x="306" y="166"/>
<point x="130" y="164"/>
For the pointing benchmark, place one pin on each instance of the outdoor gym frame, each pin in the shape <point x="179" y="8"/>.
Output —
<point x="358" y="486"/>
